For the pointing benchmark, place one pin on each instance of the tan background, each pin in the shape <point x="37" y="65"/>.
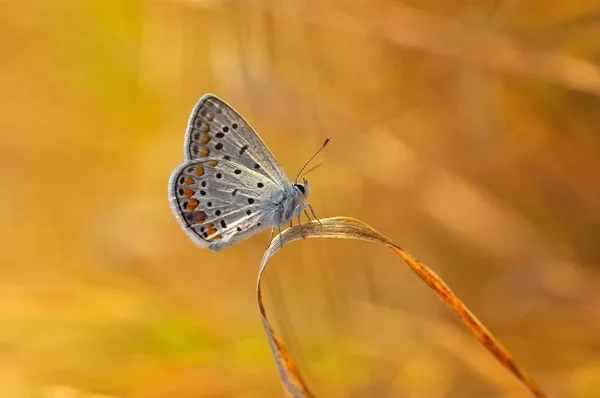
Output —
<point x="466" y="131"/>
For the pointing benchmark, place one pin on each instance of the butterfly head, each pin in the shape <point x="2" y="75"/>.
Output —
<point x="302" y="189"/>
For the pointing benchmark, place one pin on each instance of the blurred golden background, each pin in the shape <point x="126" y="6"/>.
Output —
<point x="466" y="131"/>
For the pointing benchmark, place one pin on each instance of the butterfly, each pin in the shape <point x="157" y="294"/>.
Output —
<point x="230" y="185"/>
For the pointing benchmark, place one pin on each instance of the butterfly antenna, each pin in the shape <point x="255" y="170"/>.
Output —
<point x="311" y="158"/>
<point x="316" y="166"/>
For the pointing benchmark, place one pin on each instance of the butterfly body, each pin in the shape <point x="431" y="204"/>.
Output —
<point x="230" y="185"/>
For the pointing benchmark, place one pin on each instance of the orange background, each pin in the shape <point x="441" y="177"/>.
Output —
<point x="467" y="132"/>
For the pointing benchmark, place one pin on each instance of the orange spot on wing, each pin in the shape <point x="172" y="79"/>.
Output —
<point x="211" y="231"/>
<point x="210" y="117"/>
<point x="192" y="204"/>
<point x="188" y="193"/>
<point x="205" y="128"/>
<point x="204" y="152"/>
<point x="218" y="237"/>
<point x="205" y="138"/>
<point x="213" y="163"/>
<point x="199" y="171"/>
<point x="189" y="181"/>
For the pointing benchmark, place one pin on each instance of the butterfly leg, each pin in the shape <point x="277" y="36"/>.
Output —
<point x="280" y="208"/>
<point x="300" y="225"/>
<point x="312" y="211"/>
<point x="280" y="239"/>
<point x="271" y="238"/>
<point x="307" y="216"/>
<point x="298" y="211"/>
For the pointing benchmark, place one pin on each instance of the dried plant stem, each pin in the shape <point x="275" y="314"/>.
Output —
<point x="348" y="228"/>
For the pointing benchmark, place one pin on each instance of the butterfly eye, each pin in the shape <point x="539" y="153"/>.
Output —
<point x="300" y="188"/>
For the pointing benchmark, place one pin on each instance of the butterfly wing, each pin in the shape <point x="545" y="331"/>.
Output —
<point x="216" y="129"/>
<point x="230" y="184"/>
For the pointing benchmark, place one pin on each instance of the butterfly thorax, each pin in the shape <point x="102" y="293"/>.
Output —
<point x="288" y="207"/>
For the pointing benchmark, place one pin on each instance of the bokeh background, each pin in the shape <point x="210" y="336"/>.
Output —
<point x="466" y="131"/>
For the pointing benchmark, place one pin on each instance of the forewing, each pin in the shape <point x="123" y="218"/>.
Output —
<point x="218" y="202"/>
<point x="215" y="129"/>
